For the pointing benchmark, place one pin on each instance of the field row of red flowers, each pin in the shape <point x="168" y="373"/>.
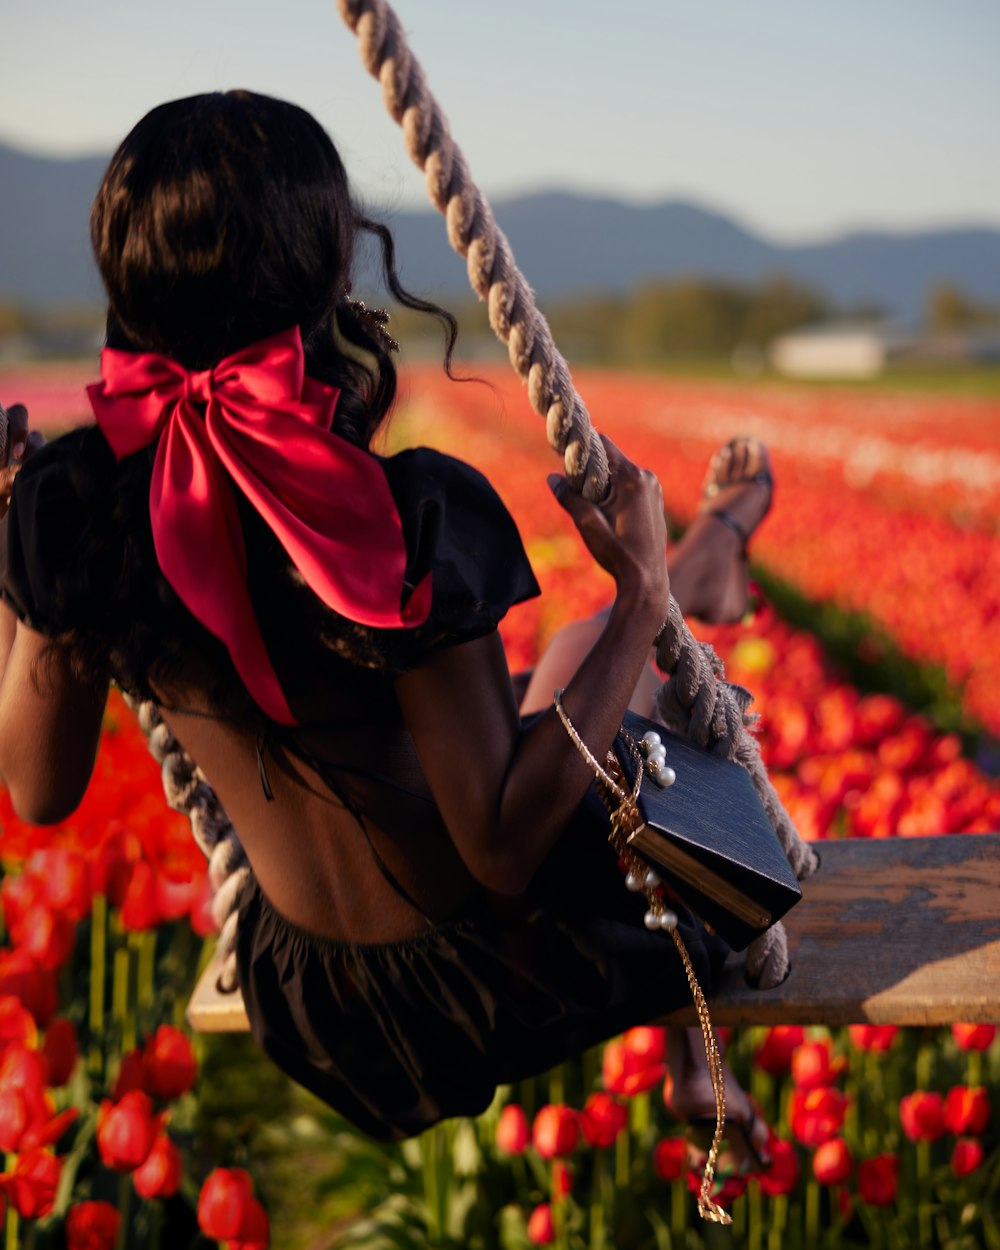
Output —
<point x="95" y="1075"/>
<point x="933" y="586"/>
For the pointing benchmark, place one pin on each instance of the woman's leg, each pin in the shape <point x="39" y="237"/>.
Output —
<point x="708" y="571"/>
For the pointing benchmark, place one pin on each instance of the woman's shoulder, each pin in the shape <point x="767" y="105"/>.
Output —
<point x="458" y="530"/>
<point x="58" y="499"/>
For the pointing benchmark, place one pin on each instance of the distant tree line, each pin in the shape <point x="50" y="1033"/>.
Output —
<point x="662" y="321"/>
<point x="693" y="318"/>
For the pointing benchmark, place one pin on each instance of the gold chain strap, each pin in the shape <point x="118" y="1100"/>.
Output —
<point x="626" y="819"/>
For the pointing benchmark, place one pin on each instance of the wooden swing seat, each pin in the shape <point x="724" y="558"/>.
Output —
<point x="897" y="931"/>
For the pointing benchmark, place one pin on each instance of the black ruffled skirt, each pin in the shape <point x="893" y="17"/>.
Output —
<point x="397" y="1036"/>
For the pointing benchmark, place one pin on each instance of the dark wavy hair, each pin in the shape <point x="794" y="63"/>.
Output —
<point x="222" y="219"/>
<point x="225" y="218"/>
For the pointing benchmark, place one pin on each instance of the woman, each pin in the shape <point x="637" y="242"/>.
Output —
<point x="434" y="909"/>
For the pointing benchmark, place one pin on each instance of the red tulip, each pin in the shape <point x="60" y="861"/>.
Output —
<point x="27" y="1115"/>
<point x="872" y="1037"/>
<point x="633" y="1063"/>
<point x="24" y="978"/>
<point x="160" y="1176"/>
<point x="47" y="936"/>
<point x="513" y="1133"/>
<point x="877" y="1180"/>
<point x="117" y="855"/>
<point x="224" y="1203"/>
<point x="602" y="1119"/>
<point x="18" y="894"/>
<point x="832" y="1163"/>
<point x="541" y="1229"/>
<point x="170" y="1065"/>
<point x="817" y="1114"/>
<point x="922" y="1115"/>
<point x="255" y="1231"/>
<point x="60" y="1052"/>
<point x="16" y="1023"/>
<point x="92" y="1226"/>
<point x="670" y="1158"/>
<point x="65" y="877"/>
<point x="562" y="1179"/>
<point x="131" y="1074"/>
<point x="783" y="1174"/>
<point x="967" y="1156"/>
<point x="775" y="1053"/>
<point x="31" y="1187"/>
<point x="974" y="1036"/>
<point x="555" y="1131"/>
<point x="126" y="1131"/>
<point x="139" y="911"/>
<point x="813" y="1067"/>
<point x="966" y="1109"/>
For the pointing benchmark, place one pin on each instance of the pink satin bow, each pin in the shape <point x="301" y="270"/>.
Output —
<point x="257" y="422"/>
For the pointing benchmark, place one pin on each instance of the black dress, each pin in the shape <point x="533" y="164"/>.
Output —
<point x="398" y="1035"/>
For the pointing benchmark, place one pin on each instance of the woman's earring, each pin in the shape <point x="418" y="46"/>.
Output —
<point x="376" y="319"/>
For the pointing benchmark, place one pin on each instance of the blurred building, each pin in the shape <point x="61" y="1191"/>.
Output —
<point x="864" y="350"/>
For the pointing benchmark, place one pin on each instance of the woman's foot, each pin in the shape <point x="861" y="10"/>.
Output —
<point x="746" y="1137"/>
<point x="709" y="572"/>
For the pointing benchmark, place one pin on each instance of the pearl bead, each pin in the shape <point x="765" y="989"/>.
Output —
<point x="657" y="755"/>
<point x="664" y="776"/>
<point x="653" y="739"/>
<point x="633" y="882"/>
<point x="651" y="920"/>
<point x="652" y="880"/>
<point x="668" y="920"/>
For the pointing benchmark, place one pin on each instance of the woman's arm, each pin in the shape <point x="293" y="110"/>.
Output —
<point x="50" y="721"/>
<point x="505" y="794"/>
<point x="50" y="724"/>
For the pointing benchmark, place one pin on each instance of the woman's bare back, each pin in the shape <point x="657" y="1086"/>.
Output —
<point x="309" y="851"/>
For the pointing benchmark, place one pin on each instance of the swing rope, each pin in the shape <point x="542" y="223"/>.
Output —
<point x="696" y="700"/>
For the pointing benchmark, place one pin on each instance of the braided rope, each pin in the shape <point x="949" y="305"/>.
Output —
<point x="696" y="700"/>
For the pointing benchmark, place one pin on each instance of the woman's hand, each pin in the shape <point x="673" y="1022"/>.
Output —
<point x="627" y="533"/>
<point x="16" y="446"/>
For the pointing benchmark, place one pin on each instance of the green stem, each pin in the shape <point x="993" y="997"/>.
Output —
<point x="678" y="1211"/>
<point x="755" y="1226"/>
<point x="145" y="982"/>
<point x="124" y="1202"/>
<point x="598" y="1186"/>
<point x="120" y="999"/>
<point x="557" y="1085"/>
<point x="155" y="1224"/>
<point x="12" y="1239"/>
<point x="812" y="1213"/>
<point x="432" y="1199"/>
<point x="779" y="1218"/>
<point x="623" y="1165"/>
<point x="98" y="979"/>
<point x="923" y="1192"/>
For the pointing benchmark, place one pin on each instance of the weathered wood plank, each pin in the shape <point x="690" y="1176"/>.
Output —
<point x="211" y="1011"/>
<point x="898" y="931"/>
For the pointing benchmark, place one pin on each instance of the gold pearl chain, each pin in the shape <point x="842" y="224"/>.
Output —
<point x="626" y="819"/>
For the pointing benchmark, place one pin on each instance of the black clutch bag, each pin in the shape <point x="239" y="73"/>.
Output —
<point x="706" y="833"/>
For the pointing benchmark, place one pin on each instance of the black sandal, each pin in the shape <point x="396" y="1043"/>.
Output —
<point x="701" y="1130"/>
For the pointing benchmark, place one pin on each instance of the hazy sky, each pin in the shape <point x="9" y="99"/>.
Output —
<point x="803" y="118"/>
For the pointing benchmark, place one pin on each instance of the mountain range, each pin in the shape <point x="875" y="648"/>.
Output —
<point x="567" y="244"/>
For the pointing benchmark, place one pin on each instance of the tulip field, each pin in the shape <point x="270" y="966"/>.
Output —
<point x="114" y="1119"/>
